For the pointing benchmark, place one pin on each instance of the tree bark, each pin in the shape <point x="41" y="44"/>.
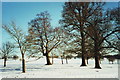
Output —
<point x="96" y="54"/>
<point x="83" y="60"/>
<point x="5" y="59"/>
<point x="83" y="49"/>
<point x="47" y="59"/>
<point x="97" y="64"/>
<point x="23" y="64"/>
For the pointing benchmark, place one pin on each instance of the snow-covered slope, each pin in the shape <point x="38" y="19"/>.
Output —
<point x="38" y="69"/>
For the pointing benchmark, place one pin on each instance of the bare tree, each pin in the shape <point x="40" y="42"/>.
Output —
<point x="100" y="29"/>
<point x="115" y="41"/>
<point x="19" y="37"/>
<point x="75" y="16"/>
<point x="6" y="51"/>
<point x="42" y="36"/>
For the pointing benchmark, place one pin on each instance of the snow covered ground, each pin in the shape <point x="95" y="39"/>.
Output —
<point x="38" y="69"/>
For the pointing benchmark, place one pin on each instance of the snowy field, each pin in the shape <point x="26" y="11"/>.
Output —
<point x="38" y="69"/>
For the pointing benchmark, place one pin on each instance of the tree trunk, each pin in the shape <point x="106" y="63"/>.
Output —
<point x="96" y="54"/>
<point x="5" y="60"/>
<point x="112" y="62"/>
<point x="47" y="59"/>
<point x="118" y="62"/>
<point x="87" y="60"/>
<point x="52" y="59"/>
<point x="23" y="64"/>
<point x="62" y="59"/>
<point x="83" y="49"/>
<point x="97" y="64"/>
<point x="66" y="60"/>
<point x="100" y="62"/>
<point x="83" y="60"/>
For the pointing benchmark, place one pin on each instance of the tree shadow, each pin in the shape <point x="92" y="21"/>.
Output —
<point x="7" y="70"/>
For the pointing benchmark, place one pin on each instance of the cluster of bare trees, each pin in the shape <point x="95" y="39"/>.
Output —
<point x="93" y="24"/>
<point x="86" y="30"/>
<point x="41" y="39"/>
